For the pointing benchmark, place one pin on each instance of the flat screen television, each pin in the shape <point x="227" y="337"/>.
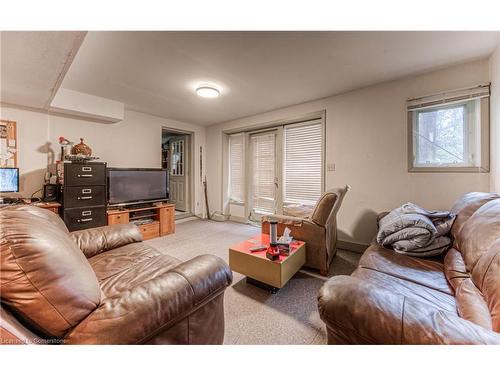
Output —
<point x="136" y="185"/>
<point x="9" y="180"/>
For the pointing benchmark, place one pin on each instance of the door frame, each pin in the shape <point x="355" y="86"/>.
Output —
<point x="190" y="166"/>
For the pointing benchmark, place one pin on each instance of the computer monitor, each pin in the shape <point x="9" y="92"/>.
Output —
<point x="9" y="180"/>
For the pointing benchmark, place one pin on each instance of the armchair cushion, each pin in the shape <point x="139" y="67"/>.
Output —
<point x="324" y="208"/>
<point x="97" y="240"/>
<point x="282" y="219"/>
<point x="328" y="205"/>
<point x="298" y="210"/>
<point x="148" y="308"/>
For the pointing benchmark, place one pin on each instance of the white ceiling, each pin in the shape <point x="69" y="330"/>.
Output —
<point x="156" y="72"/>
<point x="33" y="64"/>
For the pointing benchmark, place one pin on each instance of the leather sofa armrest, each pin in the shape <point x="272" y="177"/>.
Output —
<point x="358" y="312"/>
<point x="150" y="308"/>
<point x="97" y="240"/>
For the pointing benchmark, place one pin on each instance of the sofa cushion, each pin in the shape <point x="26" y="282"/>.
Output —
<point x="126" y="267"/>
<point x="45" y="278"/>
<point x="425" y="272"/>
<point x="479" y="232"/>
<point x="466" y="205"/>
<point x="430" y="297"/>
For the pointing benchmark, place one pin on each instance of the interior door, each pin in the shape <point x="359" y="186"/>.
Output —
<point x="178" y="172"/>
<point x="263" y="174"/>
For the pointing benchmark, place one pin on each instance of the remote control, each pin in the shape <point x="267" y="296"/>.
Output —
<point x="258" y="248"/>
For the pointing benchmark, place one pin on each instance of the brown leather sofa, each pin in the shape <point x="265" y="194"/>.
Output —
<point x="397" y="299"/>
<point x="102" y="286"/>
<point x="319" y="231"/>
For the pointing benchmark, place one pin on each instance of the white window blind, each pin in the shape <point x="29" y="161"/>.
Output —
<point x="303" y="162"/>
<point x="263" y="172"/>
<point x="236" y="167"/>
<point x="443" y="98"/>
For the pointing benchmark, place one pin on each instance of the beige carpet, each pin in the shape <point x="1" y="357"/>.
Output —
<point x="253" y="315"/>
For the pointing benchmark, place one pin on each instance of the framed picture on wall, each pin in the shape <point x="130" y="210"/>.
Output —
<point x="8" y="144"/>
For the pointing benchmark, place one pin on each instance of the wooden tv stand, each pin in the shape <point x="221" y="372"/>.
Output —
<point x="163" y="215"/>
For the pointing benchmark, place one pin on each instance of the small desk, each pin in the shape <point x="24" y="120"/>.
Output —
<point x="272" y="274"/>
<point x="52" y="206"/>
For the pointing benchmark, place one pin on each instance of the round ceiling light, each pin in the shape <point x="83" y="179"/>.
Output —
<point x="206" y="91"/>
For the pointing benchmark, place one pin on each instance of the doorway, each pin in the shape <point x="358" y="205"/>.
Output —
<point x="176" y="158"/>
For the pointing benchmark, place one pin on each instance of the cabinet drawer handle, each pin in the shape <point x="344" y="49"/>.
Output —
<point x="86" y="191"/>
<point x="86" y="213"/>
<point x="84" y="220"/>
<point x="86" y="169"/>
<point x="84" y="175"/>
<point x="89" y="197"/>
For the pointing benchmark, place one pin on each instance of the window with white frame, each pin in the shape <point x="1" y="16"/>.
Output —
<point x="303" y="162"/>
<point x="449" y="131"/>
<point x="236" y="168"/>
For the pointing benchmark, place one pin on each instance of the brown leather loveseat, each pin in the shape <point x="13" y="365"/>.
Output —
<point x="102" y="286"/>
<point x="397" y="299"/>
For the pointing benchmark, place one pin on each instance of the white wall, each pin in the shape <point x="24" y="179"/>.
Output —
<point x="366" y="138"/>
<point x="133" y="142"/>
<point x="495" y="120"/>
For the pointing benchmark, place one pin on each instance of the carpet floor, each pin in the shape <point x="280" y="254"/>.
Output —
<point x="253" y="315"/>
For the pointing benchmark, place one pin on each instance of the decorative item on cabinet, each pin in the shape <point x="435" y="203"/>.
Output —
<point x="79" y="153"/>
<point x="64" y="143"/>
<point x="81" y="149"/>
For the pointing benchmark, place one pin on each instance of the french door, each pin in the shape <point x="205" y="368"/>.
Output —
<point x="274" y="169"/>
<point x="265" y="172"/>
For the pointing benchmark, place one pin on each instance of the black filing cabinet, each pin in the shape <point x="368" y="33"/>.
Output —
<point x="83" y="195"/>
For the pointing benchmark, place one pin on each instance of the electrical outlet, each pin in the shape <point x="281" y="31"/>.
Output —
<point x="330" y="167"/>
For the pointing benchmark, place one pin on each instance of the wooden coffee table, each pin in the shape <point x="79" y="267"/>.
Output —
<point x="260" y="271"/>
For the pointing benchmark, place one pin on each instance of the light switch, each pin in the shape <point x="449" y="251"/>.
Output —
<point x="330" y="167"/>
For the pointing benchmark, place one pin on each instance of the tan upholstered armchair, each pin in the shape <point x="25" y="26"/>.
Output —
<point x="319" y="231"/>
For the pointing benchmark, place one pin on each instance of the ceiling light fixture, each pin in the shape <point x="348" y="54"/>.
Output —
<point x="206" y="91"/>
